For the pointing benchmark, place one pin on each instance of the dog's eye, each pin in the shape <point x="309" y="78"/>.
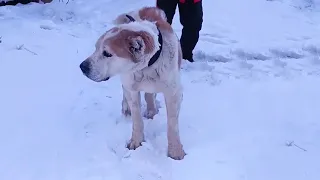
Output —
<point x="106" y="54"/>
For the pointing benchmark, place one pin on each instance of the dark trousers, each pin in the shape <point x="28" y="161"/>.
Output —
<point x="191" y="18"/>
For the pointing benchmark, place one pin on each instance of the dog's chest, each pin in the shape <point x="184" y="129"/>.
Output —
<point x="153" y="81"/>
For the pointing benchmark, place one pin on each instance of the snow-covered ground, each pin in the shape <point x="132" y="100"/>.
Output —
<point x="250" y="109"/>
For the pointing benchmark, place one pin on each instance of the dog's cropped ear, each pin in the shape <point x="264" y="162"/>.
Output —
<point x="139" y="44"/>
<point x="136" y="46"/>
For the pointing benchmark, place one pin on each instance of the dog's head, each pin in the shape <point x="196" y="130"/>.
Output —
<point x="124" y="48"/>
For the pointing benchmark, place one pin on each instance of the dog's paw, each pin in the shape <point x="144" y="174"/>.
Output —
<point x="176" y="153"/>
<point x="134" y="144"/>
<point x="126" y="112"/>
<point x="149" y="114"/>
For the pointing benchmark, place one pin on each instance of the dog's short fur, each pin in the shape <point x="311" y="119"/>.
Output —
<point x="125" y="50"/>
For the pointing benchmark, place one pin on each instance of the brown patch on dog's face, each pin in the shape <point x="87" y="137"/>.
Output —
<point x="131" y="45"/>
<point x="117" y="51"/>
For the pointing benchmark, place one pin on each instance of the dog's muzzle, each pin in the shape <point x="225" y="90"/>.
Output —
<point x="86" y="68"/>
<point x="106" y="79"/>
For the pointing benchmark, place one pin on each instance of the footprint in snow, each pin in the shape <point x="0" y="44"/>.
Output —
<point x="286" y="54"/>
<point x="47" y="25"/>
<point x="312" y="49"/>
<point x="250" y="55"/>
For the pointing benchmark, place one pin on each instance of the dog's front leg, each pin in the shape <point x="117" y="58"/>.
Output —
<point x="134" y="101"/>
<point x="125" y="106"/>
<point x="173" y="102"/>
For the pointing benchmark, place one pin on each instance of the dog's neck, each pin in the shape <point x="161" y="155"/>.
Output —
<point x="156" y="56"/>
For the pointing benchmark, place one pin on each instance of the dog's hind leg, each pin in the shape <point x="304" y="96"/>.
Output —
<point x="125" y="106"/>
<point x="134" y="101"/>
<point x="173" y="102"/>
<point x="152" y="108"/>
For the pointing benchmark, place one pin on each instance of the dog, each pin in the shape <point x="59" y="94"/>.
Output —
<point x="144" y="51"/>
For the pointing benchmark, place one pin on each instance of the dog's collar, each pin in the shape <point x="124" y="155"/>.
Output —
<point x="156" y="56"/>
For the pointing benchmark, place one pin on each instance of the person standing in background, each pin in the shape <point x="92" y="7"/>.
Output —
<point x="191" y="18"/>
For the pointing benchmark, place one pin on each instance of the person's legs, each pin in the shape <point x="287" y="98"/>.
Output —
<point x="169" y="7"/>
<point x="191" y="18"/>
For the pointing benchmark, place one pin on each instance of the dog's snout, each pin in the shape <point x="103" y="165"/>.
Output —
<point x="85" y="67"/>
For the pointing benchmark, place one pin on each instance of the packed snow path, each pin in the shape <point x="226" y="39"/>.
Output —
<point x="250" y="110"/>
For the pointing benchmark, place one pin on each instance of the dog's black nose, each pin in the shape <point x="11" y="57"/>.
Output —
<point x="85" y="67"/>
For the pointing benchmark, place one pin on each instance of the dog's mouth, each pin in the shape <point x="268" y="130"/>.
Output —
<point x="95" y="79"/>
<point x="105" y="79"/>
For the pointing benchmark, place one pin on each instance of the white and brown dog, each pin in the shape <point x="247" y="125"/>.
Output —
<point x="144" y="50"/>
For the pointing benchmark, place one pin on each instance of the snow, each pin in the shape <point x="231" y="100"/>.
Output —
<point x="250" y="109"/>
